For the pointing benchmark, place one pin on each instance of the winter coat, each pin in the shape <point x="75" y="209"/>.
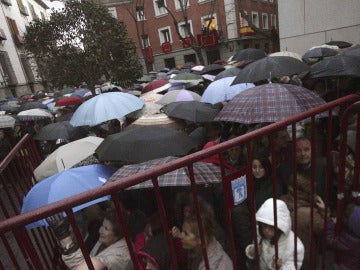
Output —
<point x="286" y="249"/>
<point x="218" y="259"/>
<point x="114" y="257"/>
<point x="346" y="246"/>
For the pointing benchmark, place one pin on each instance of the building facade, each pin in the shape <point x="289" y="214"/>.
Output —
<point x="307" y="23"/>
<point x="217" y="25"/>
<point x="18" y="72"/>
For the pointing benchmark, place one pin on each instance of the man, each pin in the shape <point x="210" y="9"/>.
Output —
<point x="303" y="167"/>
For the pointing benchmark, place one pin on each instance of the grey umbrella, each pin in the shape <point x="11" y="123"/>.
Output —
<point x="270" y="67"/>
<point x="230" y="72"/>
<point x="59" y="130"/>
<point x="144" y="143"/>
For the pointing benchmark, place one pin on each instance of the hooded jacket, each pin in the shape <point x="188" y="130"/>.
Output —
<point x="286" y="249"/>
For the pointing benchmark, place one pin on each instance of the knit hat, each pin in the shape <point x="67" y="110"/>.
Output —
<point x="354" y="221"/>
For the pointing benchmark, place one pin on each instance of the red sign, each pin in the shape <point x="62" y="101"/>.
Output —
<point x="166" y="47"/>
<point x="208" y="40"/>
<point x="188" y="41"/>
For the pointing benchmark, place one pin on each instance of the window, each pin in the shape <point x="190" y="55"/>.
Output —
<point x="22" y="8"/>
<point x="243" y="20"/>
<point x="273" y="21"/>
<point x="8" y="71"/>
<point x="32" y="11"/>
<point x="112" y="11"/>
<point x="265" y="21"/>
<point x="140" y="15"/>
<point x="255" y="18"/>
<point x="185" y="4"/>
<point x="165" y="35"/>
<point x="209" y="23"/>
<point x="169" y="62"/>
<point x="184" y="31"/>
<point x="159" y="11"/>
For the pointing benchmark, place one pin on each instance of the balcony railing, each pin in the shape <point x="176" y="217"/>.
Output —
<point x="208" y="40"/>
<point x="166" y="47"/>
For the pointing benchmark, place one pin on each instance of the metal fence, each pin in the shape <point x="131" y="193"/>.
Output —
<point x="37" y="249"/>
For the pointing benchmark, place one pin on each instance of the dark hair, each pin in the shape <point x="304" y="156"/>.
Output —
<point x="265" y="162"/>
<point x="112" y="216"/>
<point x="154" y="223"/>
<point x="274" y="240"/>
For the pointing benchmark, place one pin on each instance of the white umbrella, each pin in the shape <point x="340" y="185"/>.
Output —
<point x="7" y="121"/>
<point x="67" y="156"/>
<point x="34" y="114"/>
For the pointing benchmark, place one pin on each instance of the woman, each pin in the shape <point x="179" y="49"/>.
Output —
<point x="110" y="252"/>
<point x="268" y="237"/>
<point x="190" y="239"/>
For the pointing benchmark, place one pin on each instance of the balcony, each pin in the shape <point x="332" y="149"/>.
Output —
<point x="166" y="47"/>
<point x="188" y="43"/>
<point x="208" y="40"/>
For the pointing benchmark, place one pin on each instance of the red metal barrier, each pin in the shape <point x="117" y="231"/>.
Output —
<point x="36" y="249"/>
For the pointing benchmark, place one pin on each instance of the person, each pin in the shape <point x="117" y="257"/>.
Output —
<point x="235" y="156"/>
<point x="268" y="237"/>
<point x="191" y="241"/>
<point x="310" y="236"/>
<point x="110" y="252"/>
<point x="240" y="214"/>
<point x="155" y="254"/>
<point x="304" y="167"/>
<point x="346" y="244"/>
<point x="5" y="146"/>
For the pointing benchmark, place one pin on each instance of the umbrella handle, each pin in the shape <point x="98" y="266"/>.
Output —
<point x="62" y="161"/>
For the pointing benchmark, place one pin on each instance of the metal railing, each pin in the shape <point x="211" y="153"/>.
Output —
<point x="36" y="249"/>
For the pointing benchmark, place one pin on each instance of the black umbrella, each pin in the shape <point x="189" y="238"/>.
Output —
<point x="32" y="105"/>
<point x="59" y="130"/>
<point x="353" y="51"/>
<point x="339" y="65"/>
<point x="249" y="54"/>
<point x="341" y="44"/>
<point x="144" y="143"/>
<point x="318" y="53"/>
<point x="270" y="67"/>
<point x="230" y="72"/>
<point x="193" y="111"/>
<point x="212" y="69"/>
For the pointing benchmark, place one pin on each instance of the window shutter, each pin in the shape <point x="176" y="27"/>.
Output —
<point x="9" y="74"/>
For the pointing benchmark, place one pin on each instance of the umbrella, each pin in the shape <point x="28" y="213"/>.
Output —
<point x="212" y="69"/>
<point x="159" y="119"/>
<point x="187" y="78"/>
<point x="149" y="108"/>
<point x="67" y="156"/>
<point x="8" y="108"/>
<point x="249" y="55"/>
<point x="188" y="65"/>
<point x="178" y="95"/>
<point x="193" y="111"/>
<point x="151" y="97"/>
<point x="318" y="53"/>
<point x="339" y="65"/>
<point x="66" y="90"/>
<point x="222" y="90"/>
<point x="341" y="44"/>
<point x="144" y="143"/>
<point x="286" y="53"/>
<point x="59" y="130"/>
<point x="7" y="121"/>
<point x="353" y="51"/>
<point x="34" y="114"/>
<point x="269" y="103"/>
<point x="229" y="72"/>
<point x="69" y="101"/>
<point x="32" y="105"/>
<point x="204" y="173"/>
<point x="64" y="185"/>
<point x="81" y="92"/>
<point x="270" y="67"/>
<point x="156" y="86"/>
<point x="144" y="78"/>
<point x="104" y="107"/>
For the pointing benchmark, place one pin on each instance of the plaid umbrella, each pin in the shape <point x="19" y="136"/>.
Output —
<point x="269" y="103"/>
<point x="204" y="173"/>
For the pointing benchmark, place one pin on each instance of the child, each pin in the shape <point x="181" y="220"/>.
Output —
<point x="283" y="238"/>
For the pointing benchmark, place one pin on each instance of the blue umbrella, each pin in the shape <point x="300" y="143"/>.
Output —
<point x="66" y="184"/>
<point x="221" y="90"/>
<point x="105" y="107"/>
